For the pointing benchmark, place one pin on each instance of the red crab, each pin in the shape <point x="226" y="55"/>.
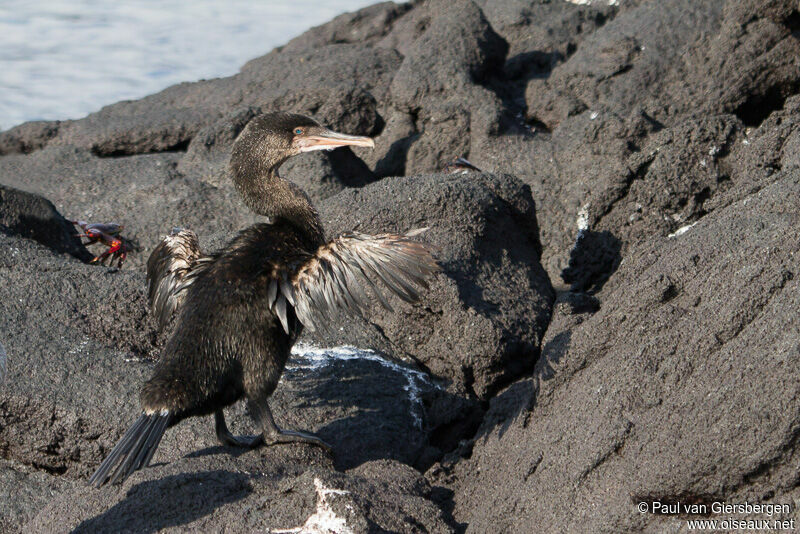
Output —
<point x="108" y="234"/>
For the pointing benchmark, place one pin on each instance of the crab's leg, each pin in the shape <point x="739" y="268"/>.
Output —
<point x="101" y="259"/>
<point x="121" y="255"/>
<point x="115" y="250"/>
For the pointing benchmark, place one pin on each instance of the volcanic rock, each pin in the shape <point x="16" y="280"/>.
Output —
<point x="691" y="350"/>
<point x="481" y="322"/>
<point x="641" y="157"/>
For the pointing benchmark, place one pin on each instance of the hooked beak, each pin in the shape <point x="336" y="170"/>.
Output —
<point x="328" y="140"/>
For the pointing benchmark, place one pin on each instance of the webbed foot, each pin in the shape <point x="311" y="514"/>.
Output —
<point x="273" y="435"/>
<point x="294" y="436"/>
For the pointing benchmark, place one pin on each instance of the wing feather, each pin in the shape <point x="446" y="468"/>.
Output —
<point x="280" y="309"/>
<point x="286" y="289"/>
<point x="343" y="276"/>
<point x="172" y="267"/>
<point x="272" y="292"/>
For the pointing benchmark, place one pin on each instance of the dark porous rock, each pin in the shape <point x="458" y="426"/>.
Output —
<point x="392" y="145"/>
<point x="320" y="82"/>
<point x="643" y="154"/>
<point x="34" y="217"/>
<point x="735" y="57"/>
<point x="208" y="155"/>
<point x="268" y="490"/>
<point x="643" y="129"/>
<point x="366" y="25"/>
<point x="542" y="34"/>
<point x="622" y="64"/>
<point x="669" y="180"/>
<point x="481" y="322"/>
<point x="80" y="345"/>
<point x="749" y="67"/>
<point x="759" y="155"/>
<point x="438" y="85"/>
<point x="98" y="304"/>
<point x="28" y="137"/>
<point x="592" y="260"/>
<point x="163" y="122"/>
<point x="67" y="332"/>
<point x="350" y="109"/>
<point x="24" y="490"/>
<point x="347" y="394"/>
<point x="693" y="351"/>
<point x="457" y="49"/>
<point x="587" y="155"/>
<point x="144" y="193"/>
<point x="326" y="75"/>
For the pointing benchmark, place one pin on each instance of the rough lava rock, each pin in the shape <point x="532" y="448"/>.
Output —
<point x="594" y="116"/>
<point x="144" y="193"/>
<point x="481" y="322"/>
<point x="658" y="142"/>
<point x="692" y="350"/>
<point x="36" y="218"/>
<point x="79" y="344"/>
<point x="212" y="491"/>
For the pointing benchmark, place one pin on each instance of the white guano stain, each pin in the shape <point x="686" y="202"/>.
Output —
<point x="582" y="222"/>
<point x="324" y="520"/>
<point x="583" y="218"/>
<point x="682" y="230"/>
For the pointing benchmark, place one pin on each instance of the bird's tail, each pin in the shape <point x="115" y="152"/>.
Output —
<point x="134" y="450"/>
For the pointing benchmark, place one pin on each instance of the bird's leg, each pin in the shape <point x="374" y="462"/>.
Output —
<point x="226" y="438"/>
<point x="273" y="435"/>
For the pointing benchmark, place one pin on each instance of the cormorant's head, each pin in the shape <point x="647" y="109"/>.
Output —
<point x="270" y="139"/>
<point x="264" y="144"/>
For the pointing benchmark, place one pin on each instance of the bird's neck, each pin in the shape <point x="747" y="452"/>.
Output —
<point x="280" y="200"/>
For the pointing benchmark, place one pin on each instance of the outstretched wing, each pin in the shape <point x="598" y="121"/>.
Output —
<point x="342" y="275"/>
<point x="170" y="270"/>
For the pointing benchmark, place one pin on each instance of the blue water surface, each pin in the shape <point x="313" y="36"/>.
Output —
<point x="63" y="59"/>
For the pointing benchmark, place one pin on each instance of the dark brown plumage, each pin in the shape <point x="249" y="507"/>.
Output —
<point x="239" y="311"/>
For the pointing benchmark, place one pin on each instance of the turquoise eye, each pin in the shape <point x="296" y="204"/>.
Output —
<point x="298" y="131"/>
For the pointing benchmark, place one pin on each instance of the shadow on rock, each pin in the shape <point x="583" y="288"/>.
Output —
<point x="443" y="497"/>
<point x="519" y="70"/>
<point x="520" y="398"/>
<point x="552" y="353"/>
<point x="349" y="168"/>
<point x="191" y="497"/>
<point x="375" y="408"/>
<point x="592" y="261"/>
<point x="34" y="217"/>
<point x="233" y="452"/>
<point x="517" y="399"/>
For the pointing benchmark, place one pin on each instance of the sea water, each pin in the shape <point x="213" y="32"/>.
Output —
<point x="63" y="59"/>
